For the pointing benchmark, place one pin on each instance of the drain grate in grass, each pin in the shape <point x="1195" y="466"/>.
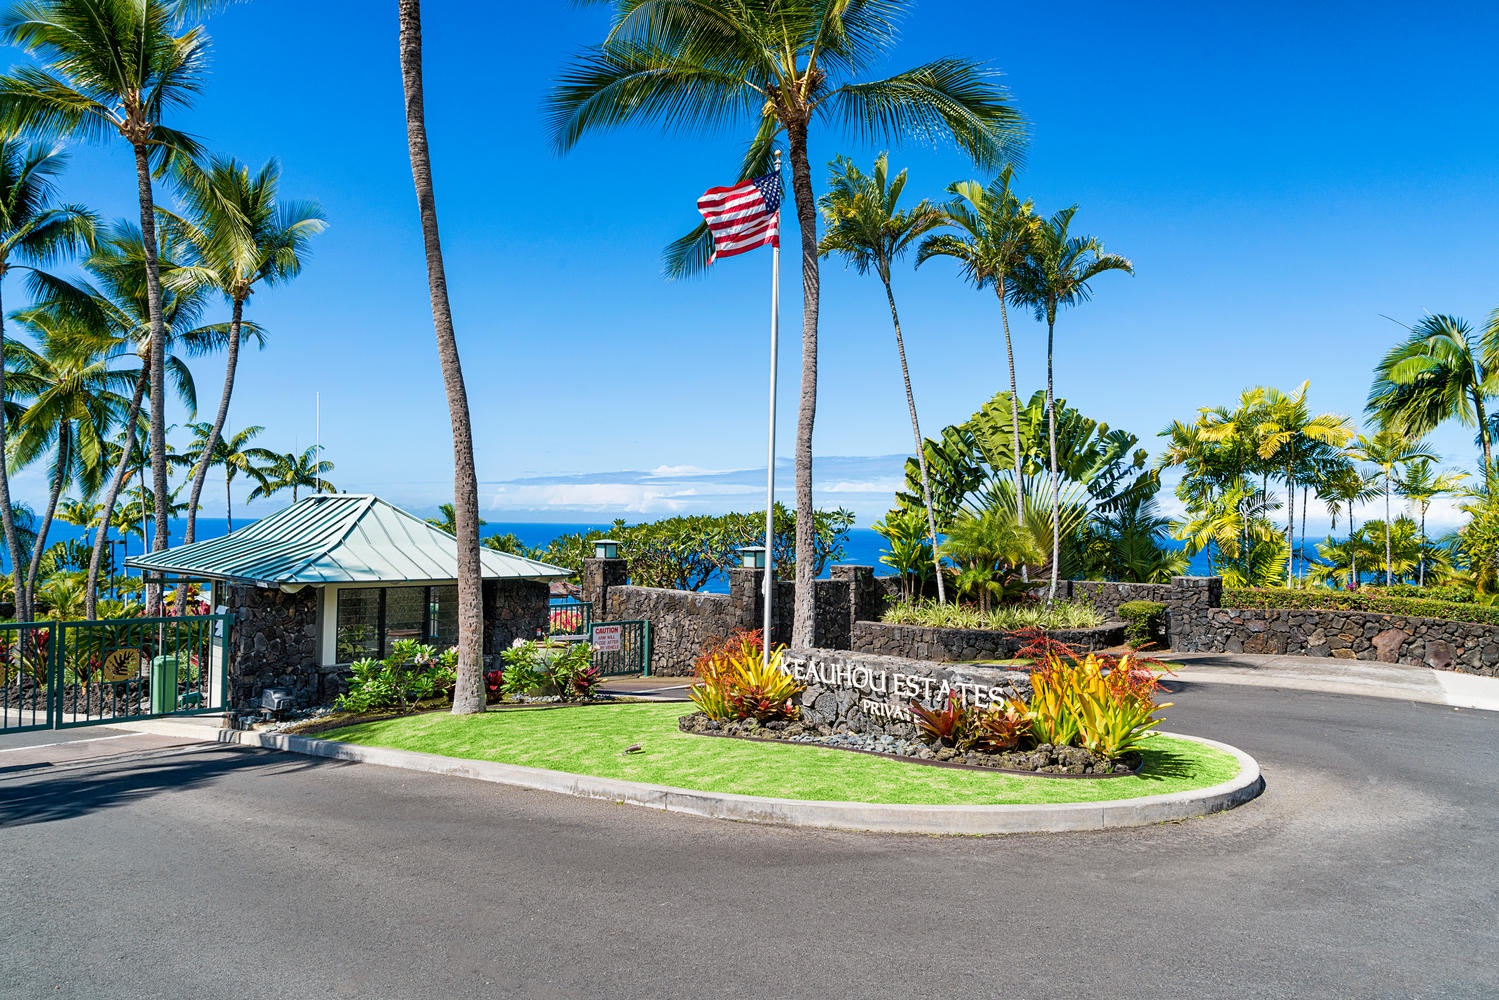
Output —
<point x="592" y="739"/>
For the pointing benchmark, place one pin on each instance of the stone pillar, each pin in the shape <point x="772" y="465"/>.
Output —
<point x="1187" y="616"/>
<point x="598" y="576"/>
<point x="832" y="621"/>
<point x="866" y="601"/>
<point x="513" y="609"/>
<point x="746" y="592"/>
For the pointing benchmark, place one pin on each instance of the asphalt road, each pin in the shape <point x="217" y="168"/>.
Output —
<point x="1367" y="869"/>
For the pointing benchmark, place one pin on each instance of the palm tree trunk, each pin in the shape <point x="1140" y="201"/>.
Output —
<point x="91" y="592"/>
<point x="59" y="475"/>
<point x="1056" y="491"/>
<point x="1004" y="316"/>
<point x="228" y="503"/>
<point x="1483" y="432"/>
<point x="468" y="692"/>
<point x="926" y="483"/>
<point x="1306" y="492"/>
<point x="200" y="474"/>
<point x="158" y="358"/>
<point x="1421" y="557"/>
<point x="1352" y="548"/>
<point x="1389" y="576"/>
<point x="7" y="513"/>
<point x="1291" y="526"/>
<point x="806" y="559"/>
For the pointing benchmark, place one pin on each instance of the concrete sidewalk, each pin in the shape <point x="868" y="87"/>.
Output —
<point x="1356" y="677"/>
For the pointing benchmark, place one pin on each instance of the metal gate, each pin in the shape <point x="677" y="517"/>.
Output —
<point x="87" y="673"/>
<point x="621" y="647"/>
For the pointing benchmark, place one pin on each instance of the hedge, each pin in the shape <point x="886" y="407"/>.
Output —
<point x="1324" y="599"/>
<point x="1143" y="620"/>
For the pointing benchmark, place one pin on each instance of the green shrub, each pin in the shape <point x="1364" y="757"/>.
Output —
<point x="1456" y="593"/>
<point x="1005" y="618"/>
<point x="410" y="673"/>
<point x="1143" y="622"/>
<point x="564" y="670"/>
<point x="1323" y="599"/>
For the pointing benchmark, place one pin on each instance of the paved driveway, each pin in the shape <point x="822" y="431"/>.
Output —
<point x="1366" y="870"/>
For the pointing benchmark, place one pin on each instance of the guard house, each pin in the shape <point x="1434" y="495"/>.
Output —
<point x="337" y="577"/>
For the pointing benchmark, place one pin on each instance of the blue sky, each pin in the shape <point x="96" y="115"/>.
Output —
<point x="1282" y="175"/>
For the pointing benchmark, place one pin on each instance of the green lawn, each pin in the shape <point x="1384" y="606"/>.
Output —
<point x="592" y="739"/>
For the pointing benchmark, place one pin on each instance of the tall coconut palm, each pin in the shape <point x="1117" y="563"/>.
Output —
<point x="34" y="233"/>
<point x="1385" y="450"/>
<point x="760" y="68"/>
<point x="996" y="229"/>
<point x="1343" y="487"/>
<point x="292" y="472"/>
<point x="865" y="228"/>
<point x="1421" y="483"/>
<point x="113" y="300"/>
<point x="113" y="68"/>
<point x="74" y="405"/>
<point x="233" y="453"/>
<point x="1287" y="434"/>
<point x="468" y="691"/>
<point x="1442" y="371"/>
<point x="241" y="236"/>
<point x="1056" y="273"/>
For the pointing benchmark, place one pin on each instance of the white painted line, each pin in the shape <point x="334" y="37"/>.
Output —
<point x="68" y="743"/>
<point x="1469" y="691"/>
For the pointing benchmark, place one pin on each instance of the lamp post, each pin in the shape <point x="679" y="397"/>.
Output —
<point x="752" y="556"/>
<point x="606" y="548"/>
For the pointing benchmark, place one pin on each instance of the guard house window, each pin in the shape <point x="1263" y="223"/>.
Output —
<point x="372" y="619"/>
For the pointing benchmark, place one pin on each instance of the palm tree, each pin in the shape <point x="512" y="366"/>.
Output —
<point x="1420" y="483"/>
<point x="33" y="233"/>
<point x="449" y="521"/>
<point x="768" y="67"/>
<point x="1056" y="273"/>
<point x="866" y="230"/>
<point x="241" y="236"/>
<point x="1387" y="449"/>
<point x="71" y="411"/>
<point x="85" y="514"/>
<point x="468" y="691"/>
<point x="987" y="547"/>
<point x="232" y="453"/>
<point x="291" y="472"/>
<point x="1287" y="434"/>
<point x="997" y="229"/>
<point x="1344" y="487"/>
<point x="1440" y="372"/>
<point x="114" y="302"/>
<point x="113" y="67"/>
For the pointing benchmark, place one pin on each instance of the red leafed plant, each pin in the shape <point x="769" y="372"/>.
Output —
<point x="948" y="725"/>
<point x="1002" y="727"/>
<point x="494" y="685"/>
<point x="1041" y="647"/>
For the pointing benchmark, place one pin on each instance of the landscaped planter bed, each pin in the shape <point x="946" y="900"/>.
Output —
<point x="593" y="741"/>
<point x="1044" y="761"/>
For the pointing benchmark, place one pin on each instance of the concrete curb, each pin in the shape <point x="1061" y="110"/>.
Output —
<point x="954" y="820"/>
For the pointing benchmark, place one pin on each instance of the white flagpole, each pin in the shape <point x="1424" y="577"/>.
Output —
<point x="770" y="462"/>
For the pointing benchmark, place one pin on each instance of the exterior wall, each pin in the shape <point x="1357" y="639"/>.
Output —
<point x="1465" y="647"/>
<point x="1107" y="597"/>
<point x="274" y="642"/>
<point x="514" y="609"/>
<point x="958" y="645"/>
<point x="682" y="622"/>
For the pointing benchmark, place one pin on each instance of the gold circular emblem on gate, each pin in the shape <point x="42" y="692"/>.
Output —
<point x="122" y="665"/>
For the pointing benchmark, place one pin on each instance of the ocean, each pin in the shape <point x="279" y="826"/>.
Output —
<point x="862" y="548"/>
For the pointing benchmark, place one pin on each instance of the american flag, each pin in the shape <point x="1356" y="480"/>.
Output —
<point x="744" y="216"/>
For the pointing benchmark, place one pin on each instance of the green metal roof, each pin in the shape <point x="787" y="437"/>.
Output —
<point x="336" y="538"/>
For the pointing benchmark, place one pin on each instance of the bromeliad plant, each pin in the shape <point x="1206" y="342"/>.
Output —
<point x="1101" y="704"/>
<point x="735" y="681"/>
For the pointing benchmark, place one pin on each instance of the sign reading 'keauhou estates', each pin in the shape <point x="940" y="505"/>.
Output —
<point x="894" y="688"/>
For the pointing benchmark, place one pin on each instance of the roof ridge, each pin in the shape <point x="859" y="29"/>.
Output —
<point x="366" y="503"/>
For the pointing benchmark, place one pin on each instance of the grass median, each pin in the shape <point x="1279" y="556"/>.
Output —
<point x="592" y="740"/>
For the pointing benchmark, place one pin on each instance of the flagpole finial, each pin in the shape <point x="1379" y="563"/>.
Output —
<point x="778" y="161"/>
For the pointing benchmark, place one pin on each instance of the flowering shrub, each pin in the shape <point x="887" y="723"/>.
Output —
<point x="568" y="671"/>
<point x="565" y="621"/>
<point x="735" y="681"/>
<point x="411" y="673"/>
